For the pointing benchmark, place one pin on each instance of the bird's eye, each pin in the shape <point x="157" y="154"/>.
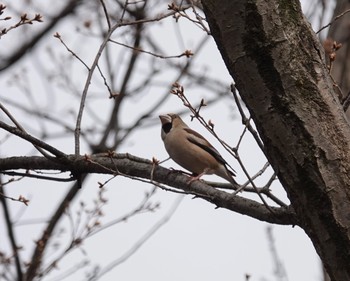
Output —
<point x="167" y="127"/>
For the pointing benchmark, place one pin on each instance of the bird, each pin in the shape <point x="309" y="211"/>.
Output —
<point x="192" y="151"/>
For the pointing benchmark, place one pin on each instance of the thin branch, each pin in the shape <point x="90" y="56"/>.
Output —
<point x="32" y="140"/>
<point x="23" y="21"/>
<point x="113" y="124"/>
<point x="106" y="14"/>
<point x="94" y="65"/>
<point x="36" y="258"/>
<point x="41" y="115"/>
<point x="59" y="37"/>
<point x="279" y="270"/>
<point x="19" y="126"/>
<point x="86" y="88"/>
<point x="333" y="20"/>
<point x="141" y="208"/>
<point x="252" y="183"/>
<point x="178" y="90"/>
<point x="186" y="53"/>
<point x="245" y="120"/>
<point x="28" y="175"/>
<point x="140" y="242"/>
<point x="259" y="173"/>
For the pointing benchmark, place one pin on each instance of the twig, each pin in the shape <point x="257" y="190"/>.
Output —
<point x="23" y="21"/>
<point x="333" y="20"/>
<point x="253" y="184"/>
<point x="178" y="90"/>
<point x="19" y="199"/>
<point x="141" y="241"/>
<point x="186" y="53"/>
<point x="106" y="13"/>
<point x="94" y="65"/>
<point x="279" y="270"/>
<point x="9" y="115"/>
<point x="245" y="120"/>
<point x="86" y="87"/>
<point x="59" y="37"/>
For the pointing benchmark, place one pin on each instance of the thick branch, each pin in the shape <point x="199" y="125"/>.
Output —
<point x="31" y="139"/>
<point x="42" y="243"/>
<point x="128" y="165"/>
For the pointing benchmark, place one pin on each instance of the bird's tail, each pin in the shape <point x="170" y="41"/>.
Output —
<point x="228" y="175"/>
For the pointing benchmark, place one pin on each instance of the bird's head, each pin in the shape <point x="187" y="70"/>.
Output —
<point x="170" y="121"/>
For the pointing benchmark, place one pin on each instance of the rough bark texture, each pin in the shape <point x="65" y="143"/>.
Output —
<point x="126" y="164"/>
<point x="277" y="64"/>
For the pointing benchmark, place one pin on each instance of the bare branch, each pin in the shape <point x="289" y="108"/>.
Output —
<point x="333" y="20"/>
<point x="31" y="139"/>
<point x="143" y="168"/>
<point x="140" y="242"/>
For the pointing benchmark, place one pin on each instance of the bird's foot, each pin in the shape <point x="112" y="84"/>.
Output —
<point x="195" y="177"/>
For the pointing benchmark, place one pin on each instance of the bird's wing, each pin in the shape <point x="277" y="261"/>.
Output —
<point x="199" y="140"/>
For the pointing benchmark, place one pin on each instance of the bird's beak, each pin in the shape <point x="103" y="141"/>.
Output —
<point x="165" y="119"/>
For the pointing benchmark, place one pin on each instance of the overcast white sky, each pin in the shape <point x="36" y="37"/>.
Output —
<point x="199" y="242"/>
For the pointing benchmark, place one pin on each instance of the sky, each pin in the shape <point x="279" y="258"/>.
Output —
<point x="198" y="242"/>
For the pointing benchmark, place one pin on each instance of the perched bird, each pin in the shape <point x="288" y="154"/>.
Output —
<point x="191" y="150"/>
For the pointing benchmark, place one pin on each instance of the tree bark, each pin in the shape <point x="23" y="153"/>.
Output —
<point x="278" y="67"/>
<point x="135" y="167"/>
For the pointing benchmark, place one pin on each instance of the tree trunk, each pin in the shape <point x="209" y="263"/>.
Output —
<point x="278" y="67"/>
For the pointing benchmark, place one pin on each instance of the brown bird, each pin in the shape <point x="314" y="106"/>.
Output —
<point x="191" y="150"/>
